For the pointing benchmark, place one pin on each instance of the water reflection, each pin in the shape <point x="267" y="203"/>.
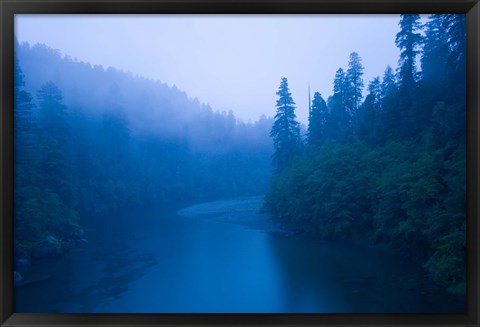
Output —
<point x="358" y="278"/>
<point x="224" y="257"/>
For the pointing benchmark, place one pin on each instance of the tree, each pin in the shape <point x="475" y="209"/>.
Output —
<point x="339" y="121"/>
<point x="456" y="29"/>
<point x="346" y="99"/>
<point x="390" y="113"/>
<point x="411" y="114"/>
<point x="25" y="156"/>
<point x="317" y="121"/>
<point x="455" y="25"/>
<point x="369" y="116"/>
<point x="408" y="40"/>
<point x="285" y="131"/>
<point x="388" y="86"/>
<point x="355" y="85"/>
<point x="52" y="113"/>
<point x="23" y="117"/>
<point x="435" y="51"/>
<point x="55" y="159"/>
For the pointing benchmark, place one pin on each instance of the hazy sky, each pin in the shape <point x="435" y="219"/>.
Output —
<point x="232" y="62"/>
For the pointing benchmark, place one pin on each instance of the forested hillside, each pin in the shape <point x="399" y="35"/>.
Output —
<point x="90" y="141"/>
<point x="390" y="167"/>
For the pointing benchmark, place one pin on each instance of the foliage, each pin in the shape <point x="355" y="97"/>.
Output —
<point x="285" y="130"/>
<point x="79" y="156"/>
<point x="398" y="176"/>
<point x="317" y="121"/>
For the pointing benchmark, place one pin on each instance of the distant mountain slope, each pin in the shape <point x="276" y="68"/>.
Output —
<point x="149" y="106"/>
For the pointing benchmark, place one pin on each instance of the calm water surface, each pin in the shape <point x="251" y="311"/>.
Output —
<point x="223" y="257"/>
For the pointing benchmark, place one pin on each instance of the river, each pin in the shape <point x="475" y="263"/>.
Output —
<point x="223" y="257"/>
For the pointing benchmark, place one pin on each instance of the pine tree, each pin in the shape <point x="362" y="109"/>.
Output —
<point x="455" y="26"/>
<point x="370" y="111"/>
<point x="390" y="115"/>
<point x="411" y="114"/>
<point x="52" y="113"/>
<point x="338" y="122"/>
<point x="53" y="138"/>
<point x="27" y="212"/>
<point x="408" y="40"/>
<point x="355" y="85"/>
<point x="285" y="130"/>
<point x="388" y="86"/>
<point x="318" y="120"/>
<point x="435" y="51"/>
<point x="340" y="86"/>
<point x="23" y="118"/>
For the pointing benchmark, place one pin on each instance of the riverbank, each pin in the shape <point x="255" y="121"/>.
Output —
<point x="248" y="213"/>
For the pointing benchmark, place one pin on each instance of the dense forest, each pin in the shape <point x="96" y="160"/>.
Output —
<point x="90" y="141"/>
<point x="385" y="165"/>
<point x="389" y="168"/>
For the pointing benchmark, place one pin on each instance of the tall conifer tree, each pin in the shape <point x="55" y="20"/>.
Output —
<point x="355" y="85"/>
<point x="409" y="41"/>
<point x="285" y="130"/>
<point x="318" y="120"/>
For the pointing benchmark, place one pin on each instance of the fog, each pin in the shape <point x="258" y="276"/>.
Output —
<point x="160" y="167"/>
<point x="229" y="62"/>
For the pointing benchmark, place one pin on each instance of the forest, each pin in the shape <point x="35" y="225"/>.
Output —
<point x="386" y="165"/>
<point x="390" y="168"/>
<point x="106" y="140"/>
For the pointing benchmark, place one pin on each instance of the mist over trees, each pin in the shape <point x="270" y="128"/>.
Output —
<point x="389" y="168"/>
<point x="91" y="141"/>
<point x="385" y="164"/>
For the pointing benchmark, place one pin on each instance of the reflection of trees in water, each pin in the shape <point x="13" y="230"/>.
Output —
<point x="329" y="277"/>
<point x="307" y="287"/>
<point x="119" y="271"/>
<point x="278" y="272"/>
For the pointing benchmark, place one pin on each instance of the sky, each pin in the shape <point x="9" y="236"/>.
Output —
<point x="231" y="62"/>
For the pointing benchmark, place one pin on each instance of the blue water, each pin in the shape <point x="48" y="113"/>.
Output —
<point x="223" y="257"/>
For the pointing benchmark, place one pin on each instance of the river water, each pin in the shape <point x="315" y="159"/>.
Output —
<point x="223" y="257"/>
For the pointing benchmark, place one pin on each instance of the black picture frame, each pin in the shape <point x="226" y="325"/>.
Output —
<point x="11" y="7"/>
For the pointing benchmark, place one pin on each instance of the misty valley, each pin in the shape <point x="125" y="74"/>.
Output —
<point x="130" y="196"/>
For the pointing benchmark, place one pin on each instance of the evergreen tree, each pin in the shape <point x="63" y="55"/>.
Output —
<point x="455" y="26"/>
<point x="54" y="163"/>
<point x="388" y="86"/>
<point x="390" y="115"/>
<point x="404" y="185"/>
<point x="340" y="85"/>
<point x="339" y="119"/>
<point x="317" y="121"/>
<point x="355" y="85"/>
<point x="370" y="112"/>
<point x="23" y="117"/>
<point x="412" y="116"/>
<point x="52" y="113"/>
<point x="25" y="158"/>
<point x="435" y="54"/>
<point x="408" y="40"/>
<point x="285" y="130"/>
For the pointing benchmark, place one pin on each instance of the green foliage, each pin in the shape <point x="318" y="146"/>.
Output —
<point x="285" y="131"/>
<point x="43" y="192"/>
<point x="400" y="194"/>
<point x="355" y="83"/>
<point x="401" y="178"/>
<point x="317" y="121"/>
<point x="370" y="113"/>
<point x="87" y="159"/>
<point x="409" y="41"/>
